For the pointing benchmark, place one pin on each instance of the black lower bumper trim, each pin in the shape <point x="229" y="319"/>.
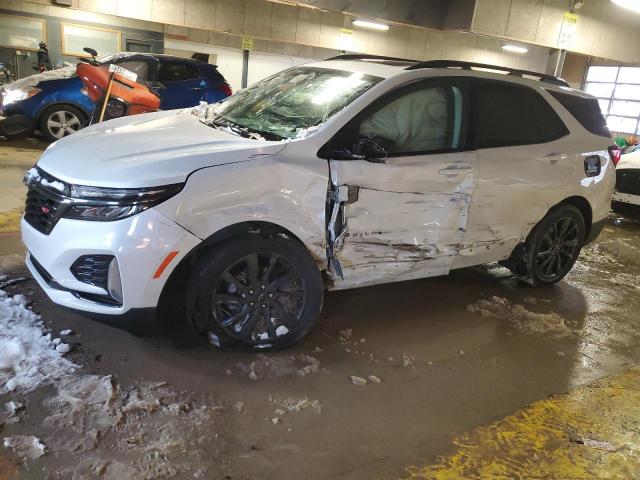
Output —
<point x="17" y="125"/>
<point x="626" y="209"/>
<point x="596" y="229"/>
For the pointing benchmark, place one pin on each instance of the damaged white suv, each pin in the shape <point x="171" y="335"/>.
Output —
<point x="354" y="171"/>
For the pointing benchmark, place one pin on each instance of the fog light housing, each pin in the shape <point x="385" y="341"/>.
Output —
<point x="100" y="271"/>
<point x="114" y="284"/>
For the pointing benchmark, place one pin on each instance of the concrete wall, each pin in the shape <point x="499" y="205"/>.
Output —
<point x="297" y="31"/>
<point x="603" y="29"/>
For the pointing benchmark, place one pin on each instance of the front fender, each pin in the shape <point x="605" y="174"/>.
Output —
<point x="287" y="193"/>
<point x="67" y="92"/>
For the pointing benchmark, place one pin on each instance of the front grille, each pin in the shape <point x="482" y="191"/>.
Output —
<point x="628" y="181"/>
<point x="42" y="211"/>
<point x="92" y="269"/>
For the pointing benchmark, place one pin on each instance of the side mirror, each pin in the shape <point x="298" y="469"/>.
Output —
<point x="371" y="151"/>
<point x="155" y="85"/>
<point x="90" y="51"/>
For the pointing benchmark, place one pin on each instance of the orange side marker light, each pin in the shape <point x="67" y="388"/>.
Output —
<point x="165" y="263"/>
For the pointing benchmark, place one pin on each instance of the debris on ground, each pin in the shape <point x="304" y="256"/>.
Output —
<point x="66" y="332"/>
<point x="597" y="444"/>
<point x="408" y="362"/>
<point x="296" y="404"/>
<point x="359" y="381"/>
<point x="239" y="406"/>
<point x="28" y="357"/>
<point x="273" y="367"/>
<point x="25" y="446"/>
<point x="5" y="281"/>
<point x="8" y="413"/>
<point x="374" y="379"/>
<point x="345" y="334"/>
<point x="461" y="352"/>
<point x="524" y="320"/>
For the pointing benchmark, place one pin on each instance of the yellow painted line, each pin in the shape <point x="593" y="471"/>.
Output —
<point x="10" y="221"/>
<point x="542" y="441"/>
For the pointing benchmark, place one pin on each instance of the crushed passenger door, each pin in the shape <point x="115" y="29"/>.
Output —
<point x="401" y="180"/>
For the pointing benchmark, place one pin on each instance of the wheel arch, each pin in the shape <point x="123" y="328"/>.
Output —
<point x="45" y="108"/>
<point x="583" y="205"/>
<point x="180" y="274"/>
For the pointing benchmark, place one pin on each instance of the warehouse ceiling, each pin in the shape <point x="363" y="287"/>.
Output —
<point x="440" y="14"/>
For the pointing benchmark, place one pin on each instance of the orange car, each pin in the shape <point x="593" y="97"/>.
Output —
<point x="126" y="97"/>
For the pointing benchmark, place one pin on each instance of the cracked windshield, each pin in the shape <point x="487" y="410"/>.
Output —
<point x="290" y="104"/>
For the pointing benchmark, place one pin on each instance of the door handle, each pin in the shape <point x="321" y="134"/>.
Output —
<point x="555" y="157"/>
<point x="197" y="89"/>
<point x="455" y="169"/>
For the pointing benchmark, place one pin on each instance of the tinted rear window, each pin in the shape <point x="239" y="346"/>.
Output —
<point x="510" y="115"/>
<point x="586" y="111"/>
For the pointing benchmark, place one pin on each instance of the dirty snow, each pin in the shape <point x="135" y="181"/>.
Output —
<point x="273" y="367"/>
<point x="28" y="357"/>
<point x="291" y="404"/>
<point x="522" y="319"/>
<point x="25" y="446"/>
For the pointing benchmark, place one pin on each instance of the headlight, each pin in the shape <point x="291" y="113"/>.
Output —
<point x="108" y="204"/>
<point x="12" y="96"/>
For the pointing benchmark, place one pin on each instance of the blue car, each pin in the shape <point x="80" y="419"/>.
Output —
<point x="54" y="102"/>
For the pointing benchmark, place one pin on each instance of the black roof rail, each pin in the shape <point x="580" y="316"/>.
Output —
<point x="469" y="65"/>
<point x="364" y="56"/>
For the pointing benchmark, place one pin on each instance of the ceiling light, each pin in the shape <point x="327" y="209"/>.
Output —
<point x="629" y="4"/>
<point x="515" y="48"/>
<point x="371" y="25"/>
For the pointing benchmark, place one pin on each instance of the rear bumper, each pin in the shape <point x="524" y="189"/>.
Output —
<point x="15" y="125"/>
<point x="140" y="244"/>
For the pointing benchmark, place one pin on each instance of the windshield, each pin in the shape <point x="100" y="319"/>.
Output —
<point x="292" y="103"/>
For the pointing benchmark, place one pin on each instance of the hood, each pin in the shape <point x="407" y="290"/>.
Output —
<point x="33" y="80"/>
<point x="147" y="150"/>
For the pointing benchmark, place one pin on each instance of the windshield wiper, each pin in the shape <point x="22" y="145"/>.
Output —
<point x="245" y="131"/>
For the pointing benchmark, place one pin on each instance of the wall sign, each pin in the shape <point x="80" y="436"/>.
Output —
<point x="247" y="43"/>
<point x="567" y="37"/>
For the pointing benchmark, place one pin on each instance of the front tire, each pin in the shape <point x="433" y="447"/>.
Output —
<point x="254" y="293"/>
<point x="552" y="247"/>
<point x="61" y="120"/>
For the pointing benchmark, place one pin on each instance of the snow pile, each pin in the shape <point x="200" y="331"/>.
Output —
<point x="141" y="431"/>
<point x="524" y="320"/>
<point x="28" y="357"/>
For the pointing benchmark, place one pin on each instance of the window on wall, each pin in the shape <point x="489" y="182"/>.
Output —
<point x="618" y="93"/>
<point x="75" y="37"/>
<point x="21" y="32"/>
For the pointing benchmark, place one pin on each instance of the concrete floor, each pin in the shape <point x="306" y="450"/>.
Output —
<point x="446" y="371"/>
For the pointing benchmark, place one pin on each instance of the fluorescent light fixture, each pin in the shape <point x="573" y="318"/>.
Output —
<point x="628" y="4"/>
<point x="515" y="48"/>
<point x="371" y="25"/>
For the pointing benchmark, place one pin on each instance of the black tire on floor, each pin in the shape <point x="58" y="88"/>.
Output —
<point x="70" y="119"/>
<point x="552" y="248"/>
<point x="254" y="293"/>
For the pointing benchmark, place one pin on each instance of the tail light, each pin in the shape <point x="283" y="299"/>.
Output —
<point x="615" y="153"/>
<point x="226" y="88"/>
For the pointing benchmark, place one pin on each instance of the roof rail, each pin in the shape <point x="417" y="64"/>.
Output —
<point x="364" y="56"/>
<point x="469" y="65"/>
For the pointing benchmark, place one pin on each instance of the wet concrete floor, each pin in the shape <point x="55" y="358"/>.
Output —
<point x="453" y="354"/>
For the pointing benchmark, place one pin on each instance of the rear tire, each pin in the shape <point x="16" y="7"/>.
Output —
<point x="254" y="293"/>
<point x="59" y="121"/>
<point x="552" y="248"/>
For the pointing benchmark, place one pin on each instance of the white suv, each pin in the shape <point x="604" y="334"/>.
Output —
<point x="354" y="171"/>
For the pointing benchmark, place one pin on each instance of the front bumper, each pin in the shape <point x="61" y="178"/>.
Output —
<point x="15" y="125"/>
<point x="140" y="244"/>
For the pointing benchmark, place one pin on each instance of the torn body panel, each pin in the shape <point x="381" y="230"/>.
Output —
<point x="398" y="220"/>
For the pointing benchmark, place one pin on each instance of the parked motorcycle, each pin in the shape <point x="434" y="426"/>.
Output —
<point x="113" y="94"/>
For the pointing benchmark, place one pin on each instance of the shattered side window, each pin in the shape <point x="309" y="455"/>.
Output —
<point x="292" y="103"/>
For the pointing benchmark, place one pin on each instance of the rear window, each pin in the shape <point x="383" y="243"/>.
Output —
<point x="511" y="115"/>
<point x="586" y="111"/>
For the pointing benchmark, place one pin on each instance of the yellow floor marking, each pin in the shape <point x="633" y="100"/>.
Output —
<point x="10" y="221"/>
<point x="542" y="440"/>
